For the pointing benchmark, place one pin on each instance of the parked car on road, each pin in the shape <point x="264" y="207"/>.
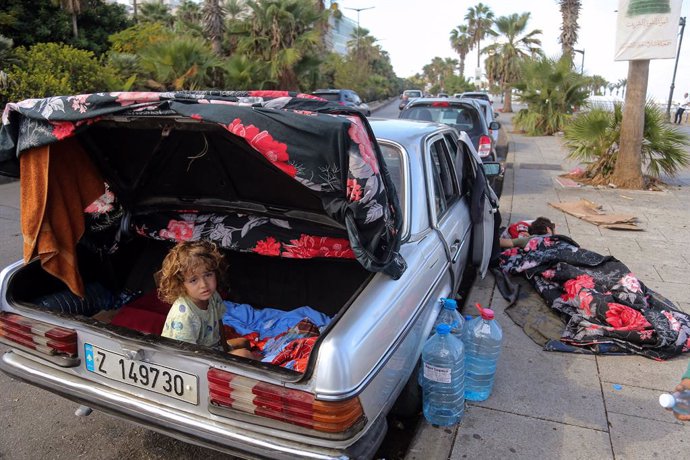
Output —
<point x="477" y="95"/>
<point x="490" y="118"/>
<point x="345" y="97"/>
<point x="462" y="114"/>
<point x="408" y="95"/>
<point x="372" y="247"/>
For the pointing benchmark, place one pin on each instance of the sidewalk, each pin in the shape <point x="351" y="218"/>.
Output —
<point x="550" y="405"/>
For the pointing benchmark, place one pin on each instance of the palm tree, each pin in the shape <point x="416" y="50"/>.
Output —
<point x="597" y="83"/>
<point x="281" y="34"/>
<point x="479" y="18"/>
<point x="461" y="42"/>
<point x="182" y="63"/>
<point x="570" y="11"/>
<point x="236" y="9"/>
<point x="509" y="54"/>
<point x="214" y="24"/>
<point x="623" y="82"/>
<point x="73" y="8"/>
<point x="189" y="18"/>
<point x="156" y="12"/>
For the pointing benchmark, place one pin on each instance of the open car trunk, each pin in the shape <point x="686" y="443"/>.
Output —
<point x="121" y="292"/>
<point x="293" y="191"/>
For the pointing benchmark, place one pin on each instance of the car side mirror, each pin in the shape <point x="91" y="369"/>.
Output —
<point x="492" y="169"/>
<point x="494" y="125"/>
<point x="496" y="114"/>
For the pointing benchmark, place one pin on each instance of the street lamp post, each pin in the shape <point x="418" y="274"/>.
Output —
<point x="675" y="68"/>
<point x="358" y="10"/>
<point x="582" y="65"/>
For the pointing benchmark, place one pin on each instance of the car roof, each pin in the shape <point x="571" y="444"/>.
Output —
<point x="330" y="91"/>
<point x="403" y="131"/>
<point x="444" y="100"/>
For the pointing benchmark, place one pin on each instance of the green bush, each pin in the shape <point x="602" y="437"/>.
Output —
<point x="53" y="69"/>
<point x="594" y="137"/>
<point x="551" y="91"/>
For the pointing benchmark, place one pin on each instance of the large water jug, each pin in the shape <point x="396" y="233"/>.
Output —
<point x="443" y="389"/>
<point x="448" y="315"/>
<point x="482" y="340"/>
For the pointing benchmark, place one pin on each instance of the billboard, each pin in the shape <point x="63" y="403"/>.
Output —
<point x="647" y="29"/>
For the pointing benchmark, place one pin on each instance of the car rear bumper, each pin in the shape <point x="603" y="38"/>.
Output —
<point x="187" y="427"/>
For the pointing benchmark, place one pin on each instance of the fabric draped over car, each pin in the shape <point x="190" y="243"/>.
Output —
<point x="327" y="148"/>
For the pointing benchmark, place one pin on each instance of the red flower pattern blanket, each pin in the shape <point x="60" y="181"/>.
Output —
<point x="602" y="301"/>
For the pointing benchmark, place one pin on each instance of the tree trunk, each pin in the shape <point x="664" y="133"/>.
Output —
<point x="628" y="170"/>
<point x="75" y="30"/>
<point x="507" y="100"/>
<point x="478" y="52"/>
<point x="217" y="46"/>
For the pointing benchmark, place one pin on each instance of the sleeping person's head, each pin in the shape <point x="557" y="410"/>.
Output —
<point x="542" y="226"/>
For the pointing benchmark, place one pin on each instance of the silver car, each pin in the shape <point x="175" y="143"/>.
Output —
<point x="336" y="405"/>
<point x="490" y="117"/>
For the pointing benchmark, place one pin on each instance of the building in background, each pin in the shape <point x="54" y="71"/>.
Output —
<point x="340" y="31"/>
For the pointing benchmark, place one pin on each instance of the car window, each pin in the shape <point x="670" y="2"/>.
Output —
<point x="445" y="190"/>
<point x="333" y="97"/>
<point x="394" y="162"/>
<point x="462" y="117"/>
<point x="413" y="93"/>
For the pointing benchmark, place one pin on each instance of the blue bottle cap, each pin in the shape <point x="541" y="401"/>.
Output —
<point x="443" y="329"/>
<point x="450" y="304"/>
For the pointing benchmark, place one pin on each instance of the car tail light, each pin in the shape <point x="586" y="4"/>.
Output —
<point x="440" y="104"/>
<point x="37" y="335"/>
<point x="283" y="404"/>
<point x="484" y="146"/>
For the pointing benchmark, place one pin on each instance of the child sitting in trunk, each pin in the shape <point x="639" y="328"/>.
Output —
<point x="189" y="280"/>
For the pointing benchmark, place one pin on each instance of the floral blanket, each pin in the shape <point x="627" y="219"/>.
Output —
<point x="326" y="148"/>
<point x="602" y="301"/>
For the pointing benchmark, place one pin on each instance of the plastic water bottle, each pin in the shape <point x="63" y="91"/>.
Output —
<point x="448" y="315"/>
<point x="468" y="318"/>
<point x="443" y="390"/>
<point x="482" y="340"/>
<point x="678" y="401"/>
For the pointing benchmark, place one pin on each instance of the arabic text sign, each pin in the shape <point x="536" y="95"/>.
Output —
<point x="647" y="29"/>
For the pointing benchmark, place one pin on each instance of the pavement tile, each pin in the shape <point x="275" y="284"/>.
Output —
<point x="635" y="402"/>
<point x="641" y="372"/>
<point x="523" y="374"/>
<point x="636" y="438"/>
<point x="489" y="434"/>
<point x="673" y="273"/>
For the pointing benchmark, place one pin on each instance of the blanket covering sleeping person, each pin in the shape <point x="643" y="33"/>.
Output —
<point x="602" y="301"/>
<point x="285" y="338"/>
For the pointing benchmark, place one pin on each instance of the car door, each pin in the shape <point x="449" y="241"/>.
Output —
<point x="449" y="209"/>
<point x="483" y="202"/>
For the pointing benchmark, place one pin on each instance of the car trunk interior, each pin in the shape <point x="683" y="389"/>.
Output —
<point x="162" y="164"/>
<point x="326" y="285"/>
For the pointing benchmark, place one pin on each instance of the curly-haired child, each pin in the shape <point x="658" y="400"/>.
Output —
<point x="189" y="279"/>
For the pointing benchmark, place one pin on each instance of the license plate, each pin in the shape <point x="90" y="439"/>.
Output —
<point x="153" y="377"/>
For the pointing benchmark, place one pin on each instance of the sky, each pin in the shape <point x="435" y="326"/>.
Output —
<point x="413" y="32"/>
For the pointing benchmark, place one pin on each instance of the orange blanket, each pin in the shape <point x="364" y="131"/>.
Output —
<point x="53" y="196"/>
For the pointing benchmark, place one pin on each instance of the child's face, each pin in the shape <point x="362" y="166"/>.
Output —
<point x="200" y="285"/>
